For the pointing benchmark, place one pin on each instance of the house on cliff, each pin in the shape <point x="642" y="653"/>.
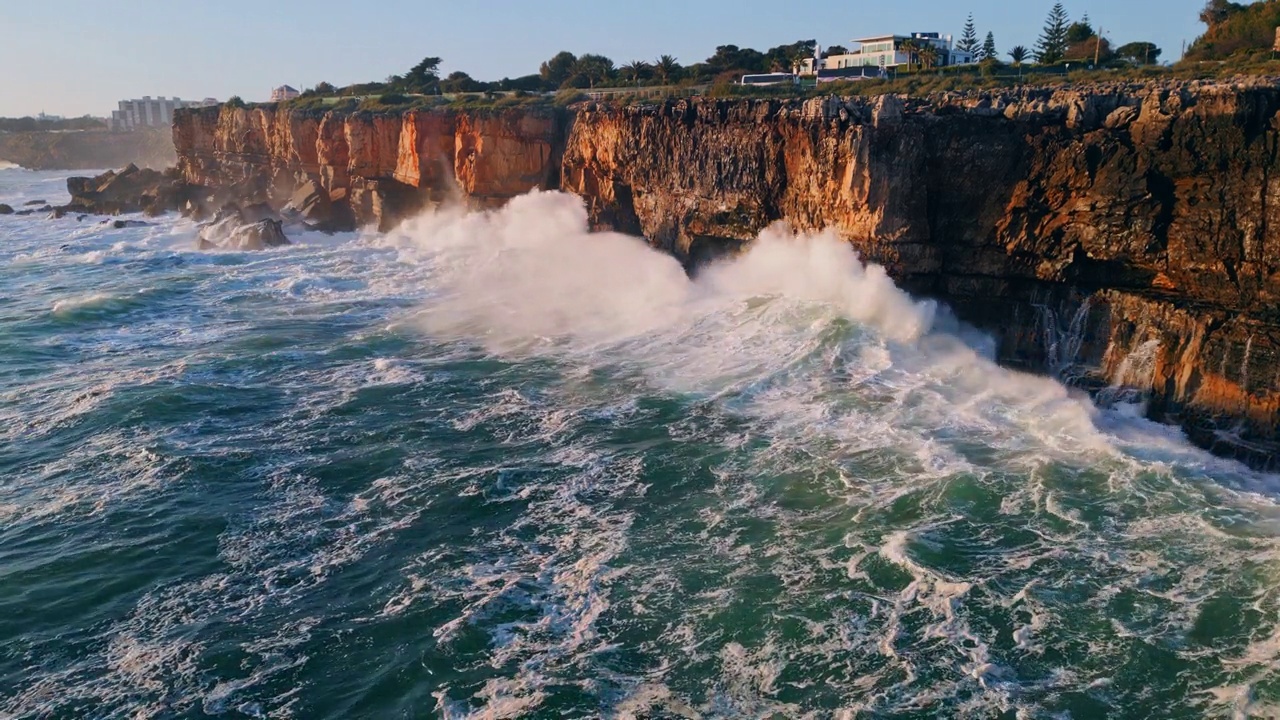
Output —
<point x="875" y="55"/>
<point x="284" y="92"/>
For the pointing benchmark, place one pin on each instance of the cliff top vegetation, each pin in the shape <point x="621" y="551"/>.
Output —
<point x="1235" y="30"/>
<point x="1237" y="41"/>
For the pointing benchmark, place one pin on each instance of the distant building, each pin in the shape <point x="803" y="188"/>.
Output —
<point x="284" y="92"/>
<point x="884" y="52"/>
<point x="150" y="112"/>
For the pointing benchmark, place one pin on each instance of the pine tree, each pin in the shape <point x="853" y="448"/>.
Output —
<point x="1052" y="44"/>
<point x="969" y="39"/>
<point x="989" y="51"/>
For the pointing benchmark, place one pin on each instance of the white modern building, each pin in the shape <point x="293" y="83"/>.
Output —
<point x="890" y="51"/>
<point x="150" y="112"/>
<point x="284" y="92"/>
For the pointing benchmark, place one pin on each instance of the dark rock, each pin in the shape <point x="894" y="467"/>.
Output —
<point x="122" y="224"/>
<point x="258" y="236"/>
<point x="230" y="233"/>
<point x="5" y="209"/>
<point x="36" y="202"/>
<point x="132" y="190"/>
<point x="257" y="212"/>
<point x="80" y="218"/>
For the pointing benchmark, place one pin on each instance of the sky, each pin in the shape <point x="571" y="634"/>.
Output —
<point x="77" y="57"/>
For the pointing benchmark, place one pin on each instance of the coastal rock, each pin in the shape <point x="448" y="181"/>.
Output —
<point x="5" y="209"/>
<point x="131" y="190"/>
<point x="1149" y="211"/>
<point x="232" y="233"/>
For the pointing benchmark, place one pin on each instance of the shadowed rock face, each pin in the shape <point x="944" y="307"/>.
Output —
<point x="1121" y="234"/>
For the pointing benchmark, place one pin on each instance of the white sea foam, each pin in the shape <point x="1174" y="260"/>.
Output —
<point x="799" y="524"/>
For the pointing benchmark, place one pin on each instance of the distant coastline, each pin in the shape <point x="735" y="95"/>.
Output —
<point x="87" y="149"/>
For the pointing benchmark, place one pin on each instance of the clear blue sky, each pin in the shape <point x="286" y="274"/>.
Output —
<point x="72" y="57"/>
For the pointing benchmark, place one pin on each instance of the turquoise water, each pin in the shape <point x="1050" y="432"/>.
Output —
<point x="492" y="466"/>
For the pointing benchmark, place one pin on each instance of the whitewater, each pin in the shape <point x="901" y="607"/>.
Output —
<point x="490" y="465"/>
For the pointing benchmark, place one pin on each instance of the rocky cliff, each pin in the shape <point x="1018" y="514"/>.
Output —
<point x="89" y="149"/>
<point x="1123" y="236"/>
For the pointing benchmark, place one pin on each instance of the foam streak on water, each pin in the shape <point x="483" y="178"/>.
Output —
<point x="492" y="465"/>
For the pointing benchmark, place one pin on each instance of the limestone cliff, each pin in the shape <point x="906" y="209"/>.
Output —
<point x="1123" y="234"/>
<point x="80" y="150"/>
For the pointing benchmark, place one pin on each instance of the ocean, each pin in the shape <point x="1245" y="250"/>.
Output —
<point x="490" y="465"/>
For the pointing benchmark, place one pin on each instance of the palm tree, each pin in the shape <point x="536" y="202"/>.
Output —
<point x="634" y="71"/>
<point x="910" y="47"/>
<point x="1019" y="54"/>
<point x="666" y="68"/>
<point x="928" y="56"/>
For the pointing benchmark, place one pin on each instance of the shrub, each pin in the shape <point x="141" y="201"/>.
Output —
<point x="569" y="96"/>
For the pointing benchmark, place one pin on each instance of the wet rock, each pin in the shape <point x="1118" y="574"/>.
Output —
<point x="5" y="209"/>
<point x="131" y="190"/>
<point x="30" y="203"/>
<point x="258" y="236"/>
<point x="231" y="233"/>
<point x="122" y="224"/>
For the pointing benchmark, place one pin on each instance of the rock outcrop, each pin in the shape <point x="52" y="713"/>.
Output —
<point x="130" y="190"/>
<point x="1122" y="235"/>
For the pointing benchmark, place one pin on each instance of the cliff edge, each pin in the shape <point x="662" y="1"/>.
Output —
<point x="1123" y="236"/>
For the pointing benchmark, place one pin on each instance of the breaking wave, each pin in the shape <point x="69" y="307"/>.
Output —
<point x="494" y="465"/>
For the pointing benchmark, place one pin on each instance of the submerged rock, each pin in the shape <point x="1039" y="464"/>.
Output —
<point x="30" y="203"/>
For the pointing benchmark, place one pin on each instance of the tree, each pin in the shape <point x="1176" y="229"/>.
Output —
<point x="969" y="37"/>
<point x="424" y="76"/>
<point x="928" y="56"/>
<point x="1079" y="32"/>
<point x="1087" y="50"/>
<point x="1019" y="55"/>
<point x="732" y="57"/>
<point x="558" y="69"/>
<point x="635" y="71"/>
<point x="1053" y="39"/>
<point x="594" y="69"/>
<point x="836" y="50"/>
<point x="322" y="89"/>
<point x="1139" y="53"/>
<point x="460" y="82"/>
<point x="1216" y="12"/>
<point x="667" y="69"/>
<point x="988" y="51"/>
<point x="912" y="50"/>
<point x="789" y="58"/>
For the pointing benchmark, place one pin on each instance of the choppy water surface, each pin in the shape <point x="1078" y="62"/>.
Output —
<point x="491" y="466"/>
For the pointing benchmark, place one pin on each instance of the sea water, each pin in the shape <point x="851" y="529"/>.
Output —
<point x="493" y="466"/>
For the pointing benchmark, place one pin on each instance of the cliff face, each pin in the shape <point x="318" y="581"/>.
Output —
<point x="1125" y="235"/>
<point x="90" y="149"/>
<point x="381" y="167"/>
